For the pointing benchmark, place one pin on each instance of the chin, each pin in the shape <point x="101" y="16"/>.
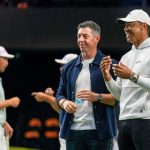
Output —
<point x="129" y="40"/>
<point x="83" y="50"/>
<point x="2" y="70"/>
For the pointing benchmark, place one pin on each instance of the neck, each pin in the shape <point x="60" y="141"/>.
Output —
<point x="137" y="44"/>
<point x="88" y="55"/>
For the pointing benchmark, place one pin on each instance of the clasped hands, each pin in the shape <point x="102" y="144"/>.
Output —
<point x="120" y="70"/>
<point x="71" y="107"/>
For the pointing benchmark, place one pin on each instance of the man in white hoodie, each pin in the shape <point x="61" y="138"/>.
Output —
<point x="132" y="86"/>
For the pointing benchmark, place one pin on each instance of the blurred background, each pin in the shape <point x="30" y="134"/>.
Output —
<point x="37" y="32"/>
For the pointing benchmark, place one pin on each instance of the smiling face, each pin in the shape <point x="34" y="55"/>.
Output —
<point x="135" y="32"/>
<point x="3" y="63"/>
<point x="87" y="39"/>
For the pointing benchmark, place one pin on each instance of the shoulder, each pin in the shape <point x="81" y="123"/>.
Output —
<point x="127" y="56"/>
<point x="70" y="65"/>
<point x="72" y="62"/>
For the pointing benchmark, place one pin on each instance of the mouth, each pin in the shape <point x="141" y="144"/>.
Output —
<point x="128" y="35"/>
<point x="82" y="46"/>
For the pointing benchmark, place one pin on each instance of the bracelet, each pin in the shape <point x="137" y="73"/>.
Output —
<point x="63" y="103"/>
<point x="60" y="104"/>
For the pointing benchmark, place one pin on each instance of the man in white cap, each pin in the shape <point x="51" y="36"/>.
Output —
<point x="67" y="58"/>
<point x="48" y="95"/>
<point x="6" y="130"/>
<point x="132" y="86"/>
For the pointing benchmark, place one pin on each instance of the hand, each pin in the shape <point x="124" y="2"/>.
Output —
<point x="39" y="96"/>
<point x="122" y="71"/>
<point x="8" y="130"/>
<point x="14" y="102"/>
<point x="105" y="67"/>
<point x="69" y="106"/>
<point x="49" y="91"/>
<point x="87" y="95"/>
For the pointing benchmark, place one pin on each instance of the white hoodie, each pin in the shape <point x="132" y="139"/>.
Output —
<point x="134" y="97"/>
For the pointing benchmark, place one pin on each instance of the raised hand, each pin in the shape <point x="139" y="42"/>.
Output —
<point x="49" y="91"/>
<point x="122" y="71"/>
<point x="105" y="67"/>
<point x="14" y="101"/>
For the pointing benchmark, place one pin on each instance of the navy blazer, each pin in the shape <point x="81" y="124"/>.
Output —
<point x="104" y="115"/>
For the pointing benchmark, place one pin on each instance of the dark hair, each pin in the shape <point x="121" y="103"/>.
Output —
<point x="92" y="25"/>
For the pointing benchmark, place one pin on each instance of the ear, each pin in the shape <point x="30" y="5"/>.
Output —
<point x="144" y="26"/>
<point x="98" y="38"/>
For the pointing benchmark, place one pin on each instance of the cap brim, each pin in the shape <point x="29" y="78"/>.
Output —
<point x="9" y="56"/>
<point x="124" y="20"/>
<point x="60" y="61"/>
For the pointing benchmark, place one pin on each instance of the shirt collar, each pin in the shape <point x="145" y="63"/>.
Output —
<point x="97" y="59"/>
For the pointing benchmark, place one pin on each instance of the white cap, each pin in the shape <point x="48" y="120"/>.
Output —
<point x="3" y="53"/>
<point x="135" y="15"/>
<point x="66" y="58"/>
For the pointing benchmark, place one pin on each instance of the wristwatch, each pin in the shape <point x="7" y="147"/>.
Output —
<point x="134" y="77"/>
<point x="99" y="98"/>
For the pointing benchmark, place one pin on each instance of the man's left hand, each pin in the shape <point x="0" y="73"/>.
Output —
<point x="122" y="71"/>
<point x="87" y="95"/>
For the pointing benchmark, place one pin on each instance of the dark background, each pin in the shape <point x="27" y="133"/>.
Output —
<point x="37" y="36"/>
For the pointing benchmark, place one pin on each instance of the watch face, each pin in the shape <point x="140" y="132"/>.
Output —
<point x="134" y="78"/>
<point x="99" y="98"/>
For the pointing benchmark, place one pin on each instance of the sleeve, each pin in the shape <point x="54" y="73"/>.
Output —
<point x="61" y="89"/>
<point x="144" y="82"/>
<point x="114" y="87"/>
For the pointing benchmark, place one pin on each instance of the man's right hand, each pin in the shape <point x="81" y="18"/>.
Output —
<point x="50" y="91"/>
<point x="14" y="101"/>
<point x="105" y="67"/>
<point x="69" y="106"/>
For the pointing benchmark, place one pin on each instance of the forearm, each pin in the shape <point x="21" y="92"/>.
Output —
<point x="107" y="76"/>
<point x="108" y="99"/>
<point x="114" y="88"/>
<point x="4" y="104"/>
<point x="55" y="107"/>
<point x="144" y="83"/>
<point x="54" y="104"/>
<point x="52" y="101"/>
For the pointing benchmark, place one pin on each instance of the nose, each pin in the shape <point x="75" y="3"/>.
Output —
<point x="125" y="28"/>
<point x="81" y="38"/>
<point x="7" y="63"/>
